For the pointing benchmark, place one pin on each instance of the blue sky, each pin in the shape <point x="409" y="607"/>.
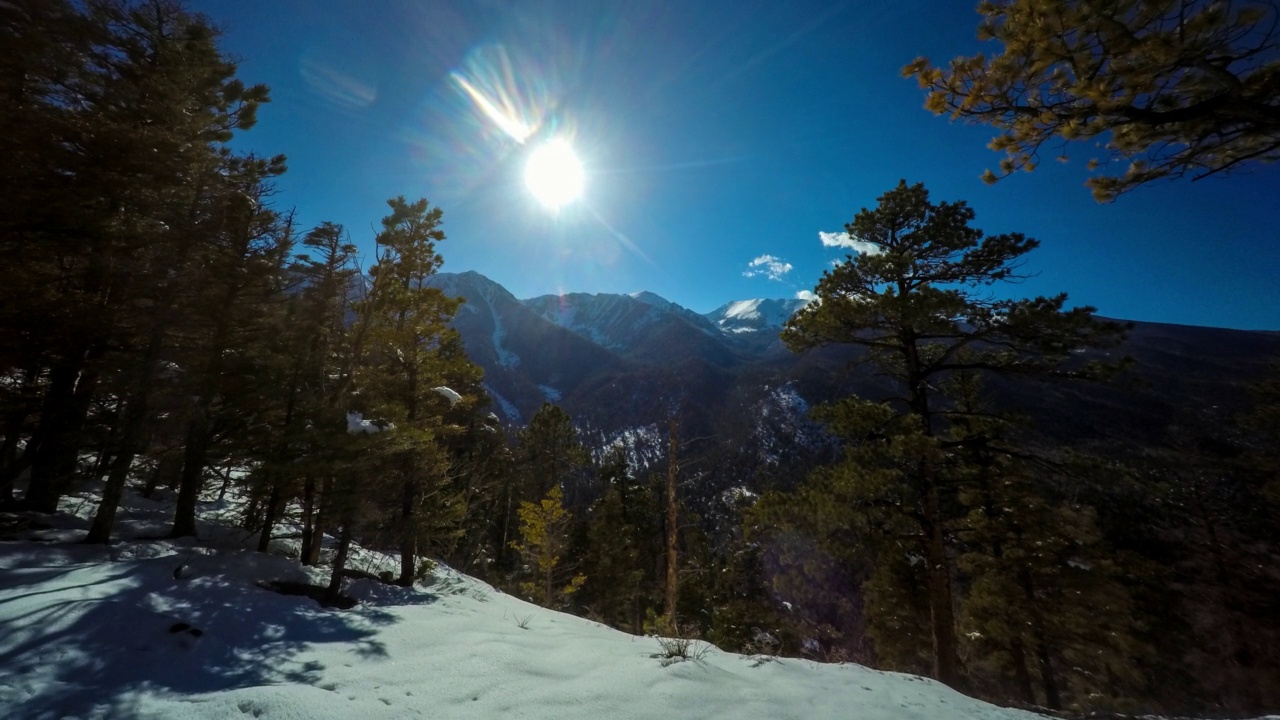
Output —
<point x="712" y="134"/>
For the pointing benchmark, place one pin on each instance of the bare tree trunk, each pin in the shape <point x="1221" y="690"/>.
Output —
<point x="10" y="465"/>
<point x="131" y="436"/>
<point x="946" y="653"/>
<point x="269" y="519"/>
<point x="408" y="532"/>
<point x="1020" y="672"/>
<point x="56" y="441"/>
<point x="193" y="461"/>
<point x="308" y="518"/>
<point x="1052" y="698"/>
<point x="672" y="581"/>
<point x="339" y="563"/>
<point x="321" y="520"/>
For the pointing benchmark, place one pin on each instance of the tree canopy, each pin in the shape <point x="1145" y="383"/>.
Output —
<point x="1166" y="87"/>
<point x="920" y="304"/>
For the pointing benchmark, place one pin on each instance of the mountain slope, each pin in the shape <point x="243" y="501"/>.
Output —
<point x="526" y="358"/>
<point x="92" y="631"/>
<point x="642" y="327"/>
<point x="754" y="316"/>
<point x="622" y="363"/>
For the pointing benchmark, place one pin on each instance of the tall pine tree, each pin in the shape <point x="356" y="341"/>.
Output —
<point x="920" y="304"/>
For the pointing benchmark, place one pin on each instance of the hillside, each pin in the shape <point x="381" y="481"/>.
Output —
<point x="177" y="629"/>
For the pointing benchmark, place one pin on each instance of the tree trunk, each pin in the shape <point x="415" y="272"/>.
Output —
<point x="112" y="493"/>
<point x="12" y="430"/>
<point x="269" y="519"/>
<point x="408" y="533"/>
<point x="56" y="441"/>
<point x="11" y="463"/>
<point x="184" y="513"/>
<point x="308" y="518"/>
<point x="10" y="467"/>
<point x="1052" y="699"/>
<point x="168" y="464"/>
<point x="322" y="516"/>
<point x="339" y="563"/>
<point x="946" y="654"/>
<point x="672" y="586"/>
<point x="1020" y="672"/>
<point x="131" y="440"/>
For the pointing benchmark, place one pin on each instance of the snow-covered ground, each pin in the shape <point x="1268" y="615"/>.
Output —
<point x="120" y="632"/>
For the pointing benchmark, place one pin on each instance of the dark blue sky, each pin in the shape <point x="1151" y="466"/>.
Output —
<point x="712" y="133"/>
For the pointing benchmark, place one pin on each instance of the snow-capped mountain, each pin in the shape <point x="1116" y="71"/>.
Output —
<point x="754" y="316"/>
<point x="622" y="365"/>
<point x="643" y="325"/>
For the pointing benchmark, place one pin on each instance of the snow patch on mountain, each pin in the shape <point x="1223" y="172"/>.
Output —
<point x="606" y="319"/>
<point x="654" y="299"/>
<point x="750" y="316"/>
<point x="782" y="421"/>
<point x="506" y="358"/>
<point x="508" y="409"/>
<point x="643" y="446"/>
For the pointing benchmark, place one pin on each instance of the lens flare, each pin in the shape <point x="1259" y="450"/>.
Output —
<point x="488" y="79"/>
<point x="554" y="174"/>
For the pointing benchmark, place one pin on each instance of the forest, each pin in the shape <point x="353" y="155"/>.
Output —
<point x="167" y="329"/>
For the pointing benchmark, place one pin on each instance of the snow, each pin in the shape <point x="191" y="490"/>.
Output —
<point x="110" y="632"/>
<point x="449" y="394"/>
<point x="654" y="299"/>
<point x="357" y="425"/>
<point x="743" y="310"/>
<point x="510" y="410"/>
<point x="506" y="358"/>
<point x="749" y="316"/>
<point x="643" y="446"/>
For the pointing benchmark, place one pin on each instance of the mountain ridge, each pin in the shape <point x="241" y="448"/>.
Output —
<point x="617" y="362"/>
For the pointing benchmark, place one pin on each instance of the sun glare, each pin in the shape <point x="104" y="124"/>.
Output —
<point x="554" y="174"/>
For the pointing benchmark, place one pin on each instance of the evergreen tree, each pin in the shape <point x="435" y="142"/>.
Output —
<point x="240" y="272"/>
<point x="621" y="551"/>
<point x="405" y="352"/>
<point x="920" y="306"/>
<point x="482" y="463"/>
<point x="123" y="108"/>
<point x="549" y="453"/>
<point x="301" y="379"/>
<point x="1046" y="599"/>
<point x="1176" y="87"/>
<point x="813" y="545"/>
<point x="545" y="529"/>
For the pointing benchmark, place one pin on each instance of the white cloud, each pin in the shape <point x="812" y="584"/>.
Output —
<point x="845" y="240"/>
<point x="806" y="295"/>
<point x="768" y="266"/>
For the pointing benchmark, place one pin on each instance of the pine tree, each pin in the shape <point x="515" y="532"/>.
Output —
<point x="621" y="553"/>
<point x="1176" y="87"/>
<point x="919" y="305"/>
<point x="1046" y="599"/>
<point x="544" y="538"/>
<point x="814" y="544"/>
<point x="549" y="453"/>
<point x="406" y="350"/>
<point x="300" y="376"/>
<point x="123" y="109"/>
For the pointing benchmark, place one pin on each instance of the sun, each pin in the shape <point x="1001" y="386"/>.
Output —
<point x="554" y="174"/>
